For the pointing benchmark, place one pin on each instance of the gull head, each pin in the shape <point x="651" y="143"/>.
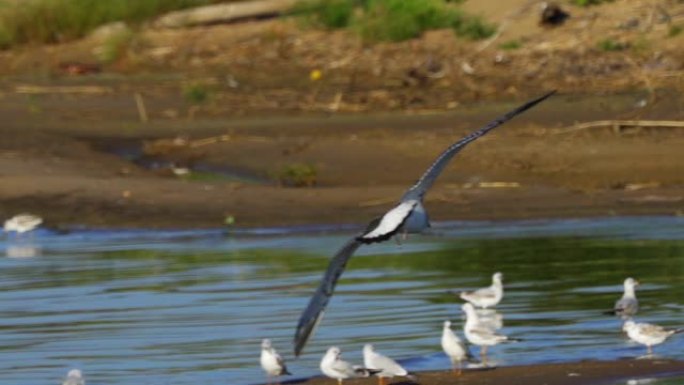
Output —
<point x="266" y="343"/>
<point x="334" y="351"/>
<point x="497" y="277"/>
<point x="631" y="282"/>
<point x="447" y="324"/>
<point x="367" y="348"/>
<point x="75" y="374"/>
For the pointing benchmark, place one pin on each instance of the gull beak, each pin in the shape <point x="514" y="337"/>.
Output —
<point x="637" y="283"/>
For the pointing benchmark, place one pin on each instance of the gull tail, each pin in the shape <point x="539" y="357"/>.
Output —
<point x="285" y="372"/>
<point x="365" y="372"/>
<point x="413" y="376"/>
<point x="510" y="339"/>
<point x="680" y="330"/>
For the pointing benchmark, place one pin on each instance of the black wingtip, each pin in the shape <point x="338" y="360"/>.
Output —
<point x="534" y="102"/>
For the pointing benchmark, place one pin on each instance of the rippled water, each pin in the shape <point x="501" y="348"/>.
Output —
<point x="190" y="307"/>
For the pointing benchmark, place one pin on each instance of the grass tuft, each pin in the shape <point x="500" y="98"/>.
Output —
<point x="510" y="45"/>
<point x="611" y="45"/>
<point x="296" y="175"/>
<point x="331" y="14"/>
<point x="586" y="3"/>
<point x="675" y="30"/>
<point x="393" y="20"/>
<point x="196" y="93"/>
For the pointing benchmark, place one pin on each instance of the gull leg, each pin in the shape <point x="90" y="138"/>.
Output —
<point x="457" y="367"/>
<point x="381" y="380"/>
<point x="483" y="354"/>
<point x="339" y="381"/>
<point x="650" y="350"/>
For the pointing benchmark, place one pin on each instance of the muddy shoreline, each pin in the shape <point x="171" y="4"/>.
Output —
<point x="536" y="166"/>
<point x="585" y="373"/>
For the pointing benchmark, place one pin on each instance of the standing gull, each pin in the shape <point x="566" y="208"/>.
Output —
<point x="409" y="216"/>
<point x="74" y="377"/>
<point x="22" y="223"/>
<point x="333" y="366"/>
<point x="272" y="363"/>
<point x="480" y="335"/>
<point x="387" y="367"/>
<point x="648" y="334"/>
<point x="487" y="296"/>
<point x="454" y="348"/>
<point x="628" y="305"/>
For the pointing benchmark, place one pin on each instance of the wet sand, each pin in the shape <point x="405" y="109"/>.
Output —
<point x="584" y="373"/>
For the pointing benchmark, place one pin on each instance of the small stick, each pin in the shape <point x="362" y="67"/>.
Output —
<point x="140" y="103"/>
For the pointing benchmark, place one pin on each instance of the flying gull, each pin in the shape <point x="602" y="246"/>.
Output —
<point x="409" y="216"/>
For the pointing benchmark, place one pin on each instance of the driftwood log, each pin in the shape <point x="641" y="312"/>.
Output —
<point x="619" y="125"/>
<point x="224" y="13"/>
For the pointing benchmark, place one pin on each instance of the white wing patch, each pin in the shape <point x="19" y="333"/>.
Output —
<point x="392" y="220"/>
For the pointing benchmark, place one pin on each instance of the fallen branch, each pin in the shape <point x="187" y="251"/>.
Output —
<point x="223" y="13"/>
<point x="29" y="89"/>
<point x="619" y="124"/>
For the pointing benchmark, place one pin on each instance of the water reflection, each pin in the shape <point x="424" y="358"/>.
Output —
<point x="192" y="307"/>
<point x="490" y="318"/>
<point x="22" y="251"/>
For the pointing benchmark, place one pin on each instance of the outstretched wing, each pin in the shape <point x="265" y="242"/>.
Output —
<point x="385" y="227"/>
<point x="428" y="178"/>
<point x="313" y="313"/>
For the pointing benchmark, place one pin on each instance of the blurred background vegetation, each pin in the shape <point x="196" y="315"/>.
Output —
<point x="56" y="21"/>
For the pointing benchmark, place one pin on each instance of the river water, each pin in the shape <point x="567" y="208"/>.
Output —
<point x="191" y="307"/>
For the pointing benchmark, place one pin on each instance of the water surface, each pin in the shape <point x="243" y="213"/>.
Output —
<point x="186" y="307"/>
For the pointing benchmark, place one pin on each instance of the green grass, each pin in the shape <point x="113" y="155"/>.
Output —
<point x="331" y="14"/>
<point x="296" y="175"/>
<point x="53" y="21"/>
<point x="675" y="30"/>
<point x="196" y="93"/>
<point x="510" y="45"/>
<point x="611" y="45"/>
<point x="393" y="20"/>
